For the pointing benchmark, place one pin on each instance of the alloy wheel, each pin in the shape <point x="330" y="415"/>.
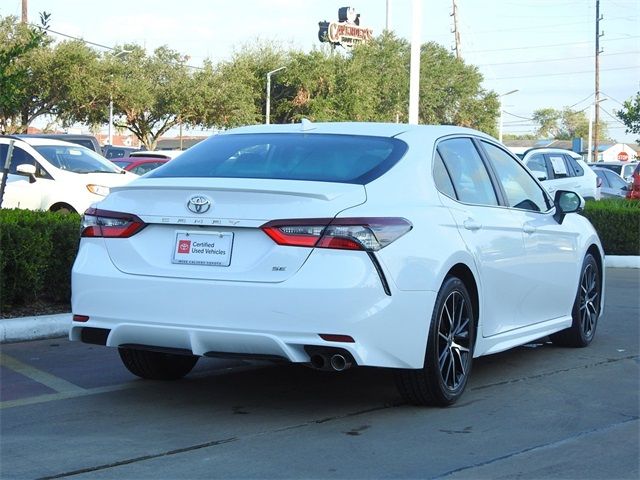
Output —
<point x="589" y="301"/>
<point x="454" y="341"/>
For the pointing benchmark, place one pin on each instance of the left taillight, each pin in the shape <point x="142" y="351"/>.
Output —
<point x="108" y="224"/>
<point x="368" y="234"/>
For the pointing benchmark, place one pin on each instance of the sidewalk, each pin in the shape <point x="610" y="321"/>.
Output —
<point x="50" y="326"/>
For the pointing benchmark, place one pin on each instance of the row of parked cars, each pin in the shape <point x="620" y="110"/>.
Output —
<point x="560" y="169"/>
<point x="50" y="174"/>
<point x="47" y="173"/>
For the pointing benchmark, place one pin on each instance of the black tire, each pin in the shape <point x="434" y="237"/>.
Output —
<point x="64" y="210"/>
<point x="449" y="354"/>
<point x="586" y="308"/>
<point x="156" y="365"/>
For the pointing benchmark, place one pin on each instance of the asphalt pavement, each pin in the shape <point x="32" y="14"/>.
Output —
<point x="70" y="410"/>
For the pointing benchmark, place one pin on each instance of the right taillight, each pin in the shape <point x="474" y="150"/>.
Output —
<point x="368" y="234"/>
<point x="598" y="182"/>
<point x="108" y="224"/>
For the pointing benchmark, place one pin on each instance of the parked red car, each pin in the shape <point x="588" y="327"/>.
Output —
<point x="634" y="193"/>
<point x="139" y="165"/>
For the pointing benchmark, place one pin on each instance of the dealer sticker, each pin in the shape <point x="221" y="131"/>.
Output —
<point x="213" y="248"/>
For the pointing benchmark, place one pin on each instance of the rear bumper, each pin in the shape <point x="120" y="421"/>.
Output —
<point x="336" y="292"/>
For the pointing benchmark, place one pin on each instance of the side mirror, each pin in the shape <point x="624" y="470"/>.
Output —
<point x="567" y="202"/>
<point x="28" y="170"/>
<point x="540" y="175"/>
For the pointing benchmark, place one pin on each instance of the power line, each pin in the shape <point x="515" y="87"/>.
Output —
<point x="517" y="116"/>
<point x="106" y="47"/>
<point x="567" y="73"/>
<point x="554" y="59"/>
<point x="585" y="98"/>
<point x="550" y="45"/>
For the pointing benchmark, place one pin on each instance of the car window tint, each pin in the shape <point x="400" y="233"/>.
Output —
<point x="614" y="180"/>
<point x="292" y="156"/>
<point x="558" y="165"/>
<point x="601" y="175"/>
<point x="442" y="178"/>
<point x="146" y="167"/>
<point x="537" y="164"/>
<point x="468" y="172"/>
<point x="115" y="153"/>
<point x="521" y="190"/>
<point x="20" y="157"/>
<point x="577" y="169"/>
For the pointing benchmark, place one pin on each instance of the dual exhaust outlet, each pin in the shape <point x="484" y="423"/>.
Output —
<point x="336" y="361"/>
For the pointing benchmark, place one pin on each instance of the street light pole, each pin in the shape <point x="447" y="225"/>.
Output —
<point x="501" y="116"/>
<point x="116" y="55"/>
<point x="110" y="118"/>
<point x="267" y="112"/>
<point x="414" y="63"/>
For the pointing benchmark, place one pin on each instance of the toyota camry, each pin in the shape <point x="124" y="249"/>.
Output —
<point x="336" y="245"/>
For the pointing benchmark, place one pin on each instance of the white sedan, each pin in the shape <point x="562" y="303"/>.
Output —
<point x="48" y="174"/>
<point x="337" y="245"/>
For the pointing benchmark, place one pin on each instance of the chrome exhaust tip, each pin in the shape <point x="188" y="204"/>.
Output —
<point x="339" y="363"/>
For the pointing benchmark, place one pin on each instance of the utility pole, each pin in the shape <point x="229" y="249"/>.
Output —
<point x="25" y="8"/>
<point x="456" y="31"/>
<point x="596" y="128"/>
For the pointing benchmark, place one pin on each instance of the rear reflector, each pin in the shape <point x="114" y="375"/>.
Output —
<point x="330" y="337"/>
<point x="80" y="318"/>
<point x="108" y="224"/>
<point x="369" y="234"/>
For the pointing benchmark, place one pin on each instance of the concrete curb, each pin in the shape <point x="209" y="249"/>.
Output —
<point x="34" y="328"/>
<point x="51" y="326"/>
<point x="622" y="261"/>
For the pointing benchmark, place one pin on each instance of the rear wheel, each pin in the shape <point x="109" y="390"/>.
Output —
<point x="586" y="308"/>
<point x="156" y="365"/>
<point x="449" y="354"/>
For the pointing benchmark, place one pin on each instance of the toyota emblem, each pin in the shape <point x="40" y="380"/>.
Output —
<point x="199" y="204"/>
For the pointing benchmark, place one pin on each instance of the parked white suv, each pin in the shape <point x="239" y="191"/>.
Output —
<point x="560" y="169"/>
<point x="47" y="174"/>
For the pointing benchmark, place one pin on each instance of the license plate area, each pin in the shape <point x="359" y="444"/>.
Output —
<point x="210" y="248"/>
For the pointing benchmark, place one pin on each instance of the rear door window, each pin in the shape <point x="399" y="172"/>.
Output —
<point x="575" y="166"/>
<point x="288" y="156"/>
<point x="467" y="171"/>
<point x="558" y="165"/>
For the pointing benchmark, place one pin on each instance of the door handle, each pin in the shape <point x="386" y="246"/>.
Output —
<point x="526" y="228"/>
<point x="471" y="224"/>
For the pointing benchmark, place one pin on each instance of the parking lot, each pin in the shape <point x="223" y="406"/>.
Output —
<point x="539" y="411"/>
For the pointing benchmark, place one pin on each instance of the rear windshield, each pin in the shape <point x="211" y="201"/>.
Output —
<point x="288" y="156"/>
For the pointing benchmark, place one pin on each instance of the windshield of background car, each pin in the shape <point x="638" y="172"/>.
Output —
<point x="288" y="156"/>
<point x="76" y="159"/>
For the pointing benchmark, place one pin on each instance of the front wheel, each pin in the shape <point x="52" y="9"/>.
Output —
<point x="156" y="365"/>
<point x="449" y="353"/>
<point x="586" y="308"/>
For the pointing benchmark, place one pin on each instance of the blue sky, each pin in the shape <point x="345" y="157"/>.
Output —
<point x="543" y="48"/>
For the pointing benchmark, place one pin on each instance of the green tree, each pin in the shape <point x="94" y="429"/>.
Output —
<point x="574" y="124"/>
<point x="630" y="115"/>
<point x="564" y="124"/>
<point x="371" y="83"/>
<point x="17" y="42"/>
<point x="151" y="93"/>
<point x="547" y="118"/>
<point x="66" y="82"/>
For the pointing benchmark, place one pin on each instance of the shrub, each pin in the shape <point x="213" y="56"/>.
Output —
<point x="37" y="250"/>
<point x="617" y="222"/>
